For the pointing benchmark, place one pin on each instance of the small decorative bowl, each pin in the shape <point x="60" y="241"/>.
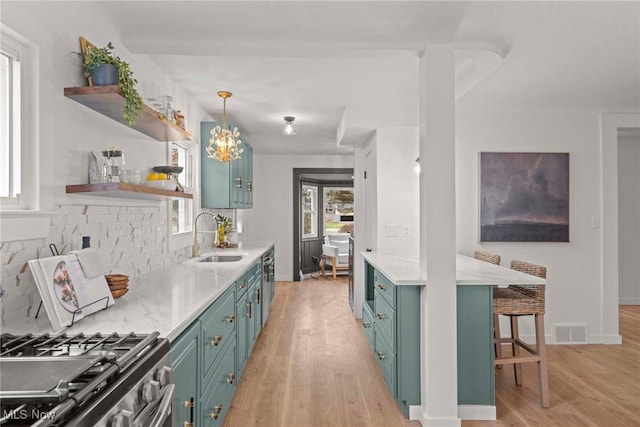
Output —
<point x="162" y="184"/>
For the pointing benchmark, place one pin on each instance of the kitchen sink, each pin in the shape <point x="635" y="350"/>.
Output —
<point x="222" y="258"/>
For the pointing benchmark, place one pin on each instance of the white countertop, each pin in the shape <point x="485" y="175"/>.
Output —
<point x="402" y="270"/>
<point x="166" y="300"/>
<point x="471" y="271"/>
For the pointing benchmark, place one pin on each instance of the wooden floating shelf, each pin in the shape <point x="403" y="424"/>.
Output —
<point x="126" y="191"/>
<point x="109" y="100"/>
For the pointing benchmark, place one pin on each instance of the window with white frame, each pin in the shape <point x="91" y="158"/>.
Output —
<point x="10" y="123"/>
<point x="309" y="211"/>
<point x="338" y="209"/>
<point x="181" y="212"/>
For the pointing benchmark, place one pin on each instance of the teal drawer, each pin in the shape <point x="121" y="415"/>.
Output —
<point x="242" y="284"/>
<point x="255" y="271"/>
<point x="368" y="324"/>
<point x="218" y="327"/>
<point x="385" y="318"/>
<point x="220" y="389"/>
<point x="385" y="287"/>
<point x="387" y="362"/>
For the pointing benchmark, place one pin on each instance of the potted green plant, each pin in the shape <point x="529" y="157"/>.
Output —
<point x="99" y="62"/>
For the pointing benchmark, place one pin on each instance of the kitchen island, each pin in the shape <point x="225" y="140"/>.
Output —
<point x="475" y="280"/>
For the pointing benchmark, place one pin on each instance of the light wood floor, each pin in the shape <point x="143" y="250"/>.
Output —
<point x="312" y="366"/>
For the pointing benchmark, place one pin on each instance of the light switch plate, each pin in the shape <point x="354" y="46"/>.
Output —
<point x="391" y="230"/>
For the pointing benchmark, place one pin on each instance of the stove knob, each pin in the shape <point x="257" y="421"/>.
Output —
<point x="122" y="419"/>
<point x="164" y="376"/>
<point x="151" y="392"/>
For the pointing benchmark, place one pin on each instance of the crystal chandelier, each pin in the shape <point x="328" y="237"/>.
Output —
<point x="223" y="145"/>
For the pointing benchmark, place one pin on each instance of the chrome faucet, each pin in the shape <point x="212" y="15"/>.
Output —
<point x="194" y="247"/>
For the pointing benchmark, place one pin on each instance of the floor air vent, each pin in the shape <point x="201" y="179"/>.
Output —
<point x="570" y="334"/>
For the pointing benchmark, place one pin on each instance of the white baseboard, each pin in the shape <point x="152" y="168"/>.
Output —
<point x="439" y="422"/>
<point x="629" y="301"/>
<point x="415" y="412"/>
<point x="476" y="412"/>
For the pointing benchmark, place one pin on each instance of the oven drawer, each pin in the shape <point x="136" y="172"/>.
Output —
<point x="220" y="389"/>
<point x="218" y="327"/>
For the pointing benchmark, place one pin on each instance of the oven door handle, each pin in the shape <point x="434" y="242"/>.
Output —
<point x="163" y="411"/>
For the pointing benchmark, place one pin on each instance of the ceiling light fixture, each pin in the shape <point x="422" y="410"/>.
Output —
<point x="288" y="127"/>
<point x="223" y="145"/>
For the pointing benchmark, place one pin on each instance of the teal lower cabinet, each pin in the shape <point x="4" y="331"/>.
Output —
<point x="219" y="388"/>
<point x="209" y="356"/>
<point x="185" y="356"/>
<point x="476" y="375"/>
<point x="391" y="322"/>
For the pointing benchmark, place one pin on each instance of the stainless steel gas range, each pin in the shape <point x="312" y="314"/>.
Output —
<point x="96" y="380"/>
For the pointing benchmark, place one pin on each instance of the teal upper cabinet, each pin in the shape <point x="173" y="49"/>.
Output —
<point x="225" y="185"/>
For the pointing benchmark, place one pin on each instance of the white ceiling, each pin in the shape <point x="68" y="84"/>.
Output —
<point x="313" y="59"/>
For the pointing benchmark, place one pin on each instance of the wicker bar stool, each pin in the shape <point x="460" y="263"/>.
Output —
<point x="493" y="259"/>
<point x="524" y="300"/>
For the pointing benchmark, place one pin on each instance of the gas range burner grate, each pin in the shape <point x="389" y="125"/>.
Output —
<point x="59" y="373"/>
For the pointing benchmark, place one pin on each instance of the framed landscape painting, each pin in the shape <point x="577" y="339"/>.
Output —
<point x="524" y="197"/>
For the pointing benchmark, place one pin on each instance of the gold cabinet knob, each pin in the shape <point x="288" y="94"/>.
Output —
<point x="380" y="316"/>
<point x="216" y="412"/>
<point x="188" y="404"/>
<point x="231" y="318"/>
<point x="381" y="286"/>
<point x="366" y="325"/>
<point x="231" y="377"/>
<point x="215" y="341"/>
<point x="242" y="285"/>
<point x="381" y="355"/>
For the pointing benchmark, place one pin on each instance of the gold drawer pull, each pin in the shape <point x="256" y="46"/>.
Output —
<point x="380" y="316"/>
<point x="215" y="341"/>
<point x="381" y="355"/>
<point x="381" y="286"/>
<point x="188" y="404"/>
<point x="231" y="378"/>
<point x="231" y="318"/>
<point x="366" y="325"/>
<point x="216" y="412"/>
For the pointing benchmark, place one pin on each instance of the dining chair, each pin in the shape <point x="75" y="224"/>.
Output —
<point x="524" y="300"/>
<point x="493" y="259"/>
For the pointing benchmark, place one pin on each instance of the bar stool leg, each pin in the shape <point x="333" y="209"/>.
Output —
<point x="543" y="378"/>
<point x="496" y="338"/>
<point x="515" y="336"/>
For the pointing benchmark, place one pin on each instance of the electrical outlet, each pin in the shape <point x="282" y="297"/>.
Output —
<point x="391" y="230"/>
<point x="406" y="230"/>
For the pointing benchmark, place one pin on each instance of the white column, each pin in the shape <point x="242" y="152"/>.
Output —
<point x="438" y="236"/>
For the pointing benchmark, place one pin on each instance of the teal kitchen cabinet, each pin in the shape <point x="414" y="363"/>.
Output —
<point x="248" y="313"/>
<point x="225" y="185"/>
<point x="391" y="322"/>
<point x="185" y="356"/>
<point x="196" y="356"/>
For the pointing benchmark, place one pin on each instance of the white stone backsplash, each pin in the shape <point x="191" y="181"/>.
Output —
<point x="113" y="232"/>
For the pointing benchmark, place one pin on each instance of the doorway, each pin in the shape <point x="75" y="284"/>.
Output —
<point x="310" y="203"/>
<point x="628" y="216"/>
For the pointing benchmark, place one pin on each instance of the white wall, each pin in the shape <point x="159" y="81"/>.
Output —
<point x="573" y="291"/>
<point x="398" y="190"/>
<point x="67" y="132"/>
<point x="629" y="219"/>
<point x="272" y="215"/>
